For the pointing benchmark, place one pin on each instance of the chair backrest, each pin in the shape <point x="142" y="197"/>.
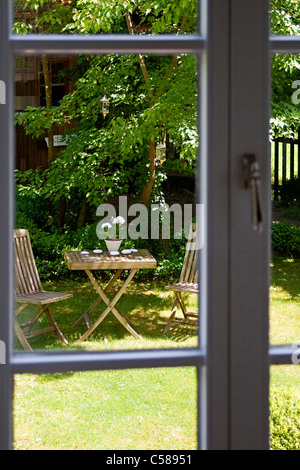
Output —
<point x="27" y="279"/>
<point x="189" y="271"/>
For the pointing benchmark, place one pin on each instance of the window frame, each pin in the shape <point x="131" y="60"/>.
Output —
<point x="228" y="341"/>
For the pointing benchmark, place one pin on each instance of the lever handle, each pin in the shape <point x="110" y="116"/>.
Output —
<point x="251" y="172"/>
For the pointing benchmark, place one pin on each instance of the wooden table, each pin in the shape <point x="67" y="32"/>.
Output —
<point x="76" y="260"/>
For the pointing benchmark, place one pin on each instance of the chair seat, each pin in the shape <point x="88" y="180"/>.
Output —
<point x="41" y="297"/>
<point x="191" y="287"/>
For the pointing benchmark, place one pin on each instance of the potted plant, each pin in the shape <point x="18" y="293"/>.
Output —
<point x="113" y="232"/>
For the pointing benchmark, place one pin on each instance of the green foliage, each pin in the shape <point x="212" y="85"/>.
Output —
<point x="284" y="420"/>
<point x="49" y="243"/>
<point x="286" y="238"/>
<point x="109" y="157"/>
<point x="157" y="16"/>
<point x="285" y="20"/>
<point x="35" y="120"/>
<point x="285" y="17"/>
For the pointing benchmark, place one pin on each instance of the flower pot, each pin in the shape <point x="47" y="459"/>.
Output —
<point x="113" y="245"/>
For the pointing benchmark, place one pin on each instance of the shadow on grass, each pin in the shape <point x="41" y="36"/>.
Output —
<point x="147" y="307"/>
<point x="286" y="275"/>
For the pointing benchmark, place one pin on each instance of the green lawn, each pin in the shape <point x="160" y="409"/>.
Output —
<point x="134" y="409"/>
<point x="285" y="318"/>
<point x="129" y="409"/>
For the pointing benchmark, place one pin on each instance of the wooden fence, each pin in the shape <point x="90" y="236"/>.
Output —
<point x="285" y="161"/>
<point x="31" y="152"/>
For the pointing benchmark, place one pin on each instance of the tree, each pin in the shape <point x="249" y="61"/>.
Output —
<point x="150" y="97"/>
<point x="285" y="20"/>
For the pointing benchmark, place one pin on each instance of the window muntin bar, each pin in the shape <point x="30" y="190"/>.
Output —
<point x="283" y="354"/>
<point x="285" y="44"/>
<point x="55" y="362"/>
<point x="47" y="44"/>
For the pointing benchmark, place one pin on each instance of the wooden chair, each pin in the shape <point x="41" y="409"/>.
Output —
<point x="188" y="282"/>
<point x="28" y="291"/>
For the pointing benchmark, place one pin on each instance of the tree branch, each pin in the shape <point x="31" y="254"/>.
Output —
<point x="140" y="57"/>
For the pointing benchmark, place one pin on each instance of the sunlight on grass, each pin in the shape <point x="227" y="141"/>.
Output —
<point x="136" y="409"/>
<point x="131" y="409"/>
<point x="285" y="329"/>
<point x="285" y="301"/>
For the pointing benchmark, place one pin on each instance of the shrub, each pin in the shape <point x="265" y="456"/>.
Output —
<point x="32" y="207"/>
<point x="286" y="238"/>
<point x="49" y="245"/>
<point x="284" y="420"/>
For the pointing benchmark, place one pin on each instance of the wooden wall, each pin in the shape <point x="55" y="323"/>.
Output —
<point x="33" y="152"/>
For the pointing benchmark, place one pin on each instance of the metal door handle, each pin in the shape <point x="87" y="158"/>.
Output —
<point x="251" y="172"/>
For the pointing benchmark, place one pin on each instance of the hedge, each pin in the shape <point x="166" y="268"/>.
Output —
<point x="284" y="420"/>
<point x="285" y="238"/>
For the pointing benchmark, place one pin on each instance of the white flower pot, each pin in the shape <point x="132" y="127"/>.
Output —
<point x="113" y="245"/>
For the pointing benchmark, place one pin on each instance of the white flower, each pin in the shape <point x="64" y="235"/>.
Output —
<point x="119" y="220"/>
<point x="106" y="225"/>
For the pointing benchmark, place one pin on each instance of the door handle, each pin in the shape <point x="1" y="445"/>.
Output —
<point x="252" y="178"/>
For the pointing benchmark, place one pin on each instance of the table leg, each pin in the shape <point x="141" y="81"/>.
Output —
<point x="85" y="317"/>
<point x="110" y="305"/>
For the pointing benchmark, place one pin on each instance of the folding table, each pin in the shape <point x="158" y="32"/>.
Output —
<point x="90" y="261"/>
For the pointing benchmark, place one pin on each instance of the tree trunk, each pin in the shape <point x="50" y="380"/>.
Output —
<point x="83" y="213"/>
<point x="48" y="90"/>
<point x="146" y="191"/>
<point x="145" y="195"/>
<point x="62" y="211"/>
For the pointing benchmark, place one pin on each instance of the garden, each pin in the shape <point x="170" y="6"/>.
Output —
<point x="139" y="141"/>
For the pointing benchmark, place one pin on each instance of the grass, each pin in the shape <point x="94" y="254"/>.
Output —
<point x="134" y="409"/>
<point x="285" y="301"/>
<point x="285" y="318"/>
<point x="127" y="409"/>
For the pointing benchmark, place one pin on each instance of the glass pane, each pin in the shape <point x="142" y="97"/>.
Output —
<point x="102" y="139"/>
<point x="285" y="159"/>
<point x="284" y="408"/>
<point x="107" y="16"/>
<point x="285" y="17"/>
<point x="121" y="410"/>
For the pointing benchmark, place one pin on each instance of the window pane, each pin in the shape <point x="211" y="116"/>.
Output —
<point x="121" y="410"/>
<point x="124" y="136"/>
<point x="107" y="16"/>
<point x="285" y="158"/>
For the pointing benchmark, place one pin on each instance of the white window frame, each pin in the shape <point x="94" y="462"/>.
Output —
<point x="233" y="357"/>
